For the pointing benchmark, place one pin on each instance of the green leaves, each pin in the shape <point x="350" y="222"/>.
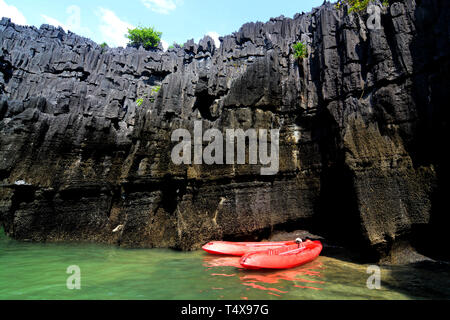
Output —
<point x="151" y="97"/>
<point x="149" y="38"/>
<point x="155" y="90"/>
<point x="139" y="102"/>
<point x="300" y="50"/>
<point x="357" y="5"/>
<point x="176" y="45"/>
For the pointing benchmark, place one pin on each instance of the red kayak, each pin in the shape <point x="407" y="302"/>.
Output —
<point x="242" y="248"/>
<point x="283" y="258"/>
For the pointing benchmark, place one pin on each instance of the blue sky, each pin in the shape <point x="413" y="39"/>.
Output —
<point x="178" y="20"/>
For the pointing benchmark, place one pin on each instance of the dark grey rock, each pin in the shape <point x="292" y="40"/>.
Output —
<point x="363" y="120"/>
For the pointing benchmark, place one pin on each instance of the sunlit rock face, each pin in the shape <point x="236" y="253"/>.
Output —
<point x="362" y="122"/>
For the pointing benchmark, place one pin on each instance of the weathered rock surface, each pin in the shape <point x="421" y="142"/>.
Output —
<point x="362" y="120"/>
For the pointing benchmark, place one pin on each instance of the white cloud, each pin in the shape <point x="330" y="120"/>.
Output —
<point x="165" y="45"/>
<point x="161" y="6"/>
<point x="215" y="37"/>
<point x="12" y="12"/>
<point x="73" y="22"/>
<point x="54" y="22"/>
<point x="113" y="30"/>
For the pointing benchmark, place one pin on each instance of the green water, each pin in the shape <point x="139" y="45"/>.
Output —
<point x="38" y="271"/>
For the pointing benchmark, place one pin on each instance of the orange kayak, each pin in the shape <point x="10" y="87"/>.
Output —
<point x="242" y="248"/>
<point x="283" y="258"/>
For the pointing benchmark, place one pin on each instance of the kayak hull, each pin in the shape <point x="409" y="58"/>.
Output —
<point x="283" y="258"/>
<point x="241" y="248"/>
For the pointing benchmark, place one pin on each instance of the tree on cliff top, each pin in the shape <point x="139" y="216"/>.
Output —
<point x="357" y="5"/>
<point x="149" y="38"/>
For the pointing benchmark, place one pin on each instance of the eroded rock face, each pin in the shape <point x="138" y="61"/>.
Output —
<point x="361" y="123"/>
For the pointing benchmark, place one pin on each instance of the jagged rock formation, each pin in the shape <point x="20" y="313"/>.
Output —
<point x="361" y="126"/>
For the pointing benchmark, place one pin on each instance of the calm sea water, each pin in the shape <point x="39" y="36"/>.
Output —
<point x="38" y="271"/>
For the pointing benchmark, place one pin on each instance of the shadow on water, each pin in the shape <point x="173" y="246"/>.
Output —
<point x="424" y="280"/>
<point x="338" y="273"/>
<point x="329" y="278"/>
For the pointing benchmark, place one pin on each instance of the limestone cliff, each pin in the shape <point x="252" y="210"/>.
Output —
<point x="362" y="123"/>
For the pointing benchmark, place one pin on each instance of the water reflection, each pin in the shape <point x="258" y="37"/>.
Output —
<point x="273" y="282"/>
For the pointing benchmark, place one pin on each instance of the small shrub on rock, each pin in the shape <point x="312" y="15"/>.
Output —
<point x="300" y="50"/>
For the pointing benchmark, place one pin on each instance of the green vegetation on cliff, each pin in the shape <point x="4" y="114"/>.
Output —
<point x="153" y="94"/>
<point x="300" y="50"/>
<point x="357" y="5"/>
<point x="147" y="37"/>
<point x="174" y="45"/>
